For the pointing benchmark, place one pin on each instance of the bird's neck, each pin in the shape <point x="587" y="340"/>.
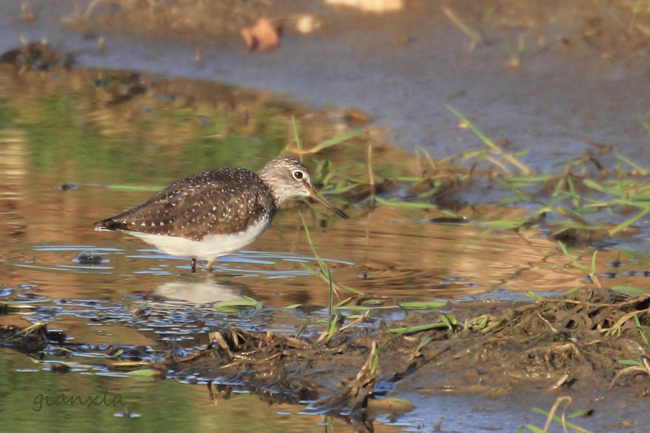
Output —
<point x="279" y="191"/>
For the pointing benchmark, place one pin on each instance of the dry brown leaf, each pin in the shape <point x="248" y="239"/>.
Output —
<point x="378" y="6"/>
<point x="263" y="36"/>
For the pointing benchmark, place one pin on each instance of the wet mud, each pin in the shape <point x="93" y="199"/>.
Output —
<point x="553" y="344"/>
<point x="37" y="56"/>
<point x="586" y="341"/>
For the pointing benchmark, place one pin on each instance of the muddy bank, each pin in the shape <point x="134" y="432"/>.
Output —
<point x="581" y="344"/>
<point x="558" y="344"/>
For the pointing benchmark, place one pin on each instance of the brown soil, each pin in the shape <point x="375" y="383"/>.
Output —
<point x="601" y="25"/>
<point x="208" y="18"/>
<point x="565" y="343"/>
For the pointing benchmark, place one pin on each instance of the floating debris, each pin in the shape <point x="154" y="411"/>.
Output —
<point x="68" y="187"/>
<point x="91" y="258"/>
<point x="34" y="338"/>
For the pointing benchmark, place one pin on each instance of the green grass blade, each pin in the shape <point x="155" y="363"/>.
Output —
<point x="629" y="222"/>
<point x="330" y="301"/>
<point x="237" y="305"/>
<point x="405" y="204"/>
<point x="640" y="329"/>
<point x="422" y="305"/>
<point x="525" y="170"/>
<point x="420" y="328"/>
<point x="133" y="188"/>
<point x="627" y="289"/>
<point x="559" y="420"/>
<point x="573" y="259"/>
<point x="641" y="170"/>
<point x="593" y="263"/>
<point x="296" y="136"/>
<point x="321" y="263"/>
<point x="334" y="141"/>
<point x="630" y="362"/>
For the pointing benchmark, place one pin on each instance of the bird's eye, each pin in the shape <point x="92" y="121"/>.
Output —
<point x="298" y="175"/>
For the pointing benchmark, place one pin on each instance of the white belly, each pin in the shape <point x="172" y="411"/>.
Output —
<point x="211" y="247"/>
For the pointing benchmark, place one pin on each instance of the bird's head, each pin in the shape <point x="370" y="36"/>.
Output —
<point x="288" y="178"/>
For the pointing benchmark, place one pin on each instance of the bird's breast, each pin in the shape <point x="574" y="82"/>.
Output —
<point x="210" y="246"/>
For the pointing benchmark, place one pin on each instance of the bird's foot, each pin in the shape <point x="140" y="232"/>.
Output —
<point x="193" y="265"/>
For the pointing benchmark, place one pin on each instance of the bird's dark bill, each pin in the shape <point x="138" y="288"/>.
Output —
<point x="315" y="194"/>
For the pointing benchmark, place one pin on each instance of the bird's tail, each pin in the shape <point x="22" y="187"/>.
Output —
<point x="109" y="224"/>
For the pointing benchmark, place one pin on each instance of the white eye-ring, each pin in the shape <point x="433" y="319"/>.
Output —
<point x="298" y="175"/>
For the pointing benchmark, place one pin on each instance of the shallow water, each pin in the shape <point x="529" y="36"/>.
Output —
<point x="148" y="405"/>
<point x="70" y="157"/>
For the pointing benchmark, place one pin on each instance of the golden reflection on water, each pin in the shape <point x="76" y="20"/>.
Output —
<point x="393" y="255"/>
<point x="12" y="172"/>
<point x="91" y="128"/>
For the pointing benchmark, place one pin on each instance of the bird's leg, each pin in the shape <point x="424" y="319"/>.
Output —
<point x="193" y="265"/>
<point x="209" y="267"/>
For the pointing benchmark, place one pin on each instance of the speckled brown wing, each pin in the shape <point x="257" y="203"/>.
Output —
<point x="223" y="201"/>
